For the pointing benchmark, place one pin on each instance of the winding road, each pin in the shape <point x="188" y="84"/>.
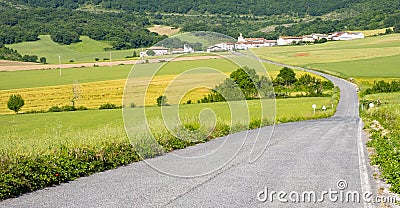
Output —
<point x="310" y="156"/>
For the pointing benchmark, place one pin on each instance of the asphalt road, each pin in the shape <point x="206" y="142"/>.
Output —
<point x="301" y="157"/>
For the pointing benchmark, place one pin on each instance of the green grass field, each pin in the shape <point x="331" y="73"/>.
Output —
<point x="23" y="135"/>
<point x="85" y="51"/>
<point x="370" y="57"/>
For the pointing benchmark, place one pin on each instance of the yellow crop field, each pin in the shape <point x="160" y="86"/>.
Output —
<point x="144" y="91"/>
<point x="94" y="94"/>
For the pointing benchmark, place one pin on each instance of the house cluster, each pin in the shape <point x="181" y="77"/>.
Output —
<point x="247" y="43"/>
<point x="160" y="50"/>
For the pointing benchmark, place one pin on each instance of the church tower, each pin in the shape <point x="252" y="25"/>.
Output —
<point x="241" y="39"/>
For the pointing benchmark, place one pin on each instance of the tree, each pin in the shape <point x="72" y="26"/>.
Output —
<point x="162" y="100"/>
<point x="15" y="102"/>
<point x="150" y="53"/>
<point x="28" y="58"/>
<point x="396" y="28"/>
<point x="286" y="77"/>
<point x="43" y="60"/>
<point x="244" y="83"/>
<point x="134" y="54"/>
<point x="246" y="78"/>
<point x="65" y="36"/>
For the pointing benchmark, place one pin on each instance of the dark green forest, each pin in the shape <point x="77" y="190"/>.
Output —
<point x="232" y="7"/>
<point x="123" y="23"/>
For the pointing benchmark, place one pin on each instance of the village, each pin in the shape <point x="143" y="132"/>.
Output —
<point x="249" y="43"/>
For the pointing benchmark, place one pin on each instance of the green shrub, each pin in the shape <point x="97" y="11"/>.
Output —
<point x="30" y="173"/>
<point x="15" y="103"/>
<point x="162" y="100"/>
<point x="108" y="106"/>
<point x="35" y="111"/>
<point x="55" y="109"/>
<point x="255" y="124"/>
<point x="81" y="108"/>
<point x="69" y="108"/>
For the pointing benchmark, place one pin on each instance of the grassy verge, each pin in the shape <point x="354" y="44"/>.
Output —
<point x="60" y="147"/>
<point x="383" y="124"/>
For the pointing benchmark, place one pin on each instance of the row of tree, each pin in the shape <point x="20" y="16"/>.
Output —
<point x="245" y="83"/>
<point x="286" y="82"/>
<point x="383" y="87"/>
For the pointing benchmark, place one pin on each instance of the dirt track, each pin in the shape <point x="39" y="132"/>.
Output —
<point x="23" y="66"/>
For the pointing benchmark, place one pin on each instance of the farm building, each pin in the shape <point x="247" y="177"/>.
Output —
<point x="214" y="48"/>
<point x="287" y="40"/>
<point x="346" y="36"/>
<point x="158" y="50"/>
<point x="246" y="43"/>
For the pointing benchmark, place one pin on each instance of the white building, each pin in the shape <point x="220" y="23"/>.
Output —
<point x="287" y="40"/>
<point x="320" y="36"/>
<point x="178" y="51"/>
<point x="187" y="49"/>
<point x="246" y="43"/>
<point x="226" y="46"/>
<point x="308" y="38"/>
<point x="214" y="48"/>
<point x="346" y="36"/>
<point x="158" y="50"/>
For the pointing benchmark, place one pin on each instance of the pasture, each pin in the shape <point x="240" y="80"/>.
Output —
<point x="99" y="85"/>
<point x="85" y="51"/>
<point x="50" y="130"/>
<point x="370" y="57"/>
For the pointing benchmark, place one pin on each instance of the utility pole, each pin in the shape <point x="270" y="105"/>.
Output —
<point x="110" y="60"/>
<point x="59" y="64"/>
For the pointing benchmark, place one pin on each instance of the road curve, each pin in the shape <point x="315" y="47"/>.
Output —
<point x="307" y="156"/>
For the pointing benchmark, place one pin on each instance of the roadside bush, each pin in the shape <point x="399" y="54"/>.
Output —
<point x="255" y="124"/>
<point x="30" y="173"/>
